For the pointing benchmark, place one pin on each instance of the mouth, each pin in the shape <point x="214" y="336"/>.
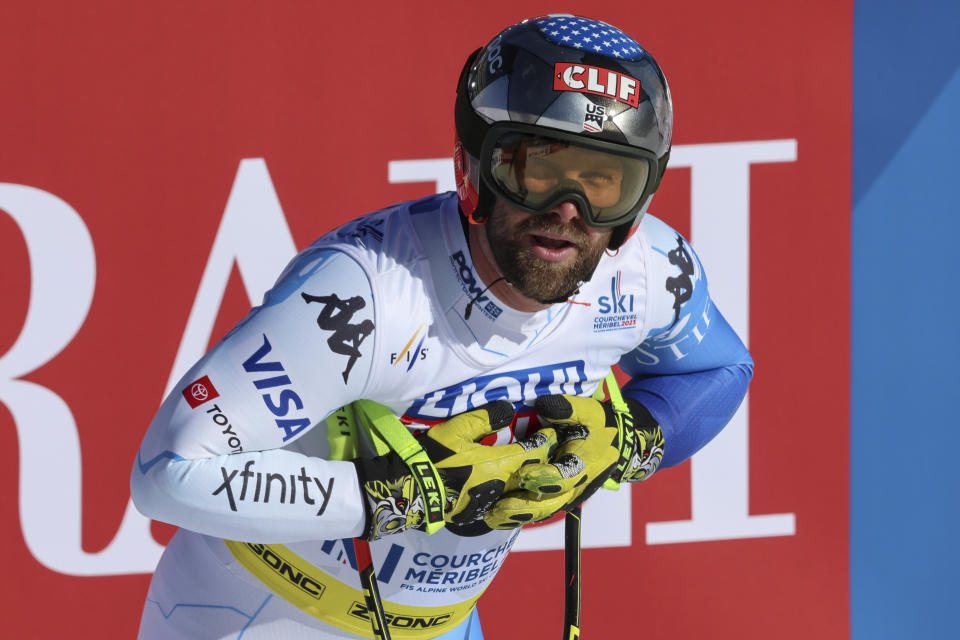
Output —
<point x="552" y="247"/>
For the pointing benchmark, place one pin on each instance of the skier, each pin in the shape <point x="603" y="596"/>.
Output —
<point x="487" y="320"/>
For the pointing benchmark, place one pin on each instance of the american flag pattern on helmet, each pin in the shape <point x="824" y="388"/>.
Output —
<point x="589" y="35"/>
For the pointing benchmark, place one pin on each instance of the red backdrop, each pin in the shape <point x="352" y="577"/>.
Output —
<point x="138" y="117"/>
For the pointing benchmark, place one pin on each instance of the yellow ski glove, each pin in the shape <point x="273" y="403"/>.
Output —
<point x="474" y="475"/>
<point x="595" y="444"/>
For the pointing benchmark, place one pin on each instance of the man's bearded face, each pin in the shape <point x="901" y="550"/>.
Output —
<point x="545" y="258"/>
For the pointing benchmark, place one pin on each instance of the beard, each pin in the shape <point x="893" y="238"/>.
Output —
<point x="544" y="281"/>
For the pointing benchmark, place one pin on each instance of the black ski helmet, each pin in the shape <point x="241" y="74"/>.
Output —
<point x="561" y="80"/>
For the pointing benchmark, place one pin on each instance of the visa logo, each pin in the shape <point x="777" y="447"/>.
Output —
<point x="281" y="399"/>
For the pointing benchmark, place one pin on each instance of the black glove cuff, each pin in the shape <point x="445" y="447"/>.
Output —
<point x="638" y="420"/>
<point x="359" y="465"/>
<point x="385" y="467"/>
<point x="642" y="418"/>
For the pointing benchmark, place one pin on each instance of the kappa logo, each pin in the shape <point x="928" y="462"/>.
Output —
<point x="335" y="316"/>
<point x="680" y="286"/>
<point x="199" y="391"/>
<point x="693" y="311"/>
<point x="584" y="78"/>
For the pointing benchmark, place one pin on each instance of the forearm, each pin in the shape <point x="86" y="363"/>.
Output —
<point x="267" y="496"/>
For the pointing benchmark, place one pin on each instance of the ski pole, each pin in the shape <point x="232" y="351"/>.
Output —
<point x="571" y="553"/>
<point x="371" y="593"/>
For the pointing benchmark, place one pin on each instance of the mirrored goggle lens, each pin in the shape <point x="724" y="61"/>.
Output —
<point x="533" y="171"/>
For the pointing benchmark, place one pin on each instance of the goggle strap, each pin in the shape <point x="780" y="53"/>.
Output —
<point x="485" y="204"/>
<point x="661" y="169"/>
<point x="471" y="127"/>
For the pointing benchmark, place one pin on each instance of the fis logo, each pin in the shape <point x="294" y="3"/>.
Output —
<point x="616" y="310"/>
<point x="411" y="356"/>
<point x="286" y="399"/>
<point x="584" y="78"/>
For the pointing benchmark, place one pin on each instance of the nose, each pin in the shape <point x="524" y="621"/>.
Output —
<point x="567" y="211"/>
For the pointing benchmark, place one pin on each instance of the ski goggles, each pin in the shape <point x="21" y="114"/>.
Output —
<point x="538" y="170"/>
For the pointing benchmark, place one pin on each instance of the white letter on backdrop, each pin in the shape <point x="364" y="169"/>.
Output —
<point x="60" y="298"/>
<point x="720" y="232"/>
<point x="254" y="233"/>
<point x="436" y="170"/>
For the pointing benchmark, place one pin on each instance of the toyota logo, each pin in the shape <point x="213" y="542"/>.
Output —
<point x="199" y="392"/>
